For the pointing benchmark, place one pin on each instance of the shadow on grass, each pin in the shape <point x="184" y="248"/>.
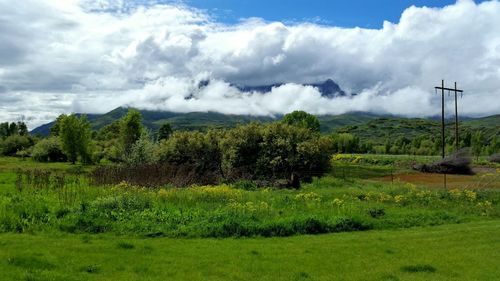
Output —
<point x="418" y="268"/>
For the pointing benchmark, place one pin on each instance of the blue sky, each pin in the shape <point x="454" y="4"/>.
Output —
<point x="344" y="13"/>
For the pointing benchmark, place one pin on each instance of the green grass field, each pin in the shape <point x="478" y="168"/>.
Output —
<point x="451" y="252"/>
<point x="372" y="230"/>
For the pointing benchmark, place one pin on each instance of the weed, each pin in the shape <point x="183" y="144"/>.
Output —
<point x="91" y="268"/>
<point x="418" y="268"/>
<point x="125" y="245"/>
<point x="376" y="212"/>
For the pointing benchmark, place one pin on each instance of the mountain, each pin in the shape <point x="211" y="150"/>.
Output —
<point x="179" y="121"/>
<point x="368" y="126"/>
<point x="328" y="88"/>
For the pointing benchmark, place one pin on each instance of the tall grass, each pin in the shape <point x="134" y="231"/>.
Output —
<point x="47" y="201"/>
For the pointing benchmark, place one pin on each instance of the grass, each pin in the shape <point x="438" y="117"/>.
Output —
<point x="76" y="231"/>
<point x="327" y="205"/>
<point x="449" y="252"/>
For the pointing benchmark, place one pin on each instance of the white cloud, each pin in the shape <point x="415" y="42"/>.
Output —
<point x="92" y="56"/>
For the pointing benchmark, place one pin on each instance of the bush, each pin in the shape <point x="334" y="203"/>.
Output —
<point x="194" y="151"/>
<point x="495" y="158"/>
<point x="278" y="152"/>
<point x="457" y="163"/>
<point x="142" y="152"/>
<point x="12" y="144"/>
<point x="48" y="150"/>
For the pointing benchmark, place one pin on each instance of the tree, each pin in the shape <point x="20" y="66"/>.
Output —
<point x="54" y="130"/>
<point x="22" y="129"/>
<point x="75" y="136"/>
<point x="494" y="145"/>
<point x="10" y="129"/>
<point x="302" y="119"/>
<point x="4" y="130"/>
<point x="131" y="129"/>
<point x="142" y="152"/>
<point x="13" y="130"/>
<point x="477" y="142"/>
<point x="345" y="143"/>
<point x="164" y="132"/>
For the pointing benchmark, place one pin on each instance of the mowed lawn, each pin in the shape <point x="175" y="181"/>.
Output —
<point x="450" y="252"/>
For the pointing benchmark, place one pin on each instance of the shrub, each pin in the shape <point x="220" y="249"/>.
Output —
<point x="278" y="152"/>
<point x="12" y="144"/>
<point x="48" y="150"/>
<point x="457" y="163"/>
<point x="196" y="152"/>
<point x="142" y="152"/>
<point x="376" y="212"/>
<point x="495" y="158"/>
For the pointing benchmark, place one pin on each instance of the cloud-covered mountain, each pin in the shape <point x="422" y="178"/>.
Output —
<point x="93" y="56"/>
<point x="328" y="88"/>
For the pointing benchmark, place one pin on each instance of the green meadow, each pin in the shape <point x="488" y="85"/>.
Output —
<point x="56" y="224"/>
<point x="466" y="251"/>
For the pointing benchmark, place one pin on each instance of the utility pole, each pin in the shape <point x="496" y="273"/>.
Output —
<point x="455" y="90"/>
<point x="457" y="141"/>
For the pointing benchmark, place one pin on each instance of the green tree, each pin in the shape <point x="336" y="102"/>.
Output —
<point x="131" y="129"/>
<point x="142" y="152"/>
<point x="164" y="131"/>
<point x="22" y="129"/>
<point x="4" y="130"/>
<point x="54" y="130"/>
<point x="13" y="130"/>
<point x="241" y="147"/>
<point x="302" y="119"/>
<point x="494" y="145"/>
<point x="477" y="143"/>
<point x="75" y="135"/>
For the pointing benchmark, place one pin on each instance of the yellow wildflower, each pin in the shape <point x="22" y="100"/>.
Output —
<point x="470" y="195"/>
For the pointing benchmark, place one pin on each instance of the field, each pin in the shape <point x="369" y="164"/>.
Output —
<point x="452" y="252"/>
<point x="370" y="218"/>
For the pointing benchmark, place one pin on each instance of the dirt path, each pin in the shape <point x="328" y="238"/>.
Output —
<point x="484" y="179"/>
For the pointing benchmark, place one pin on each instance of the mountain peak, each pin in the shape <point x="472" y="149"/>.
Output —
<point x="328" y="88"/>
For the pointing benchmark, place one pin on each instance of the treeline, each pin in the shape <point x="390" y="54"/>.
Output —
<point x="290" y="150"/>
<point x="15" y="139"/>
<point x="420" y="145"/>
<point x="128" y="141"/>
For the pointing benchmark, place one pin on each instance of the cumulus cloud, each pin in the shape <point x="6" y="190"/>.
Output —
<point x="92" y="56"/>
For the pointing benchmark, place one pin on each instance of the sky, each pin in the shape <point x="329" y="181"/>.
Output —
<point x="352" y="13"/>
<point x="64" y="56"/>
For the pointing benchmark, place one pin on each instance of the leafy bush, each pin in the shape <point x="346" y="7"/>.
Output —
<point x="48" y="150"/>
<point x="194" y="151"/>
<point x="275" y="151"/>
<point x="14" y="143"/>
<point x="142" y="152"/>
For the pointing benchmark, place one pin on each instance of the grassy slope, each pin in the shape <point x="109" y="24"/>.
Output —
<point x="451" y="252"/>
<point x="378" y="129"/>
